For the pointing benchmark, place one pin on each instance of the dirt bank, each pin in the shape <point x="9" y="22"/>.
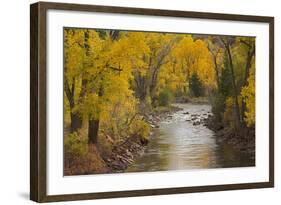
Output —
<point x="88" y="163"/>
<point x="125" y="153"/>
<point x="242" y="140"/>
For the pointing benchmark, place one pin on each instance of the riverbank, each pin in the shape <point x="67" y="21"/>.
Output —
<point x="90" y="162"/>
<point x="182" y="142"/>
<point x="124" y="154"/>
<point x="98" y="160"/>
<point x="242" y="140"/>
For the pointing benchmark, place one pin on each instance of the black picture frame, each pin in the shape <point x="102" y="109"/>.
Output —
<point x="38" y="100"/>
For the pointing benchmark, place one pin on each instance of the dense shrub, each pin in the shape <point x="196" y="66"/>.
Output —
<point x="195" y="85"/>
<point x="229" y="111"/>
<point x="75" y="144"/>
<point x="165" y="97"/>
<point x="225" y="83"/>
<point x="223" y="92"/>
<point x="140" y="128"/>
<point x="115" y="121"/>
<point x="218" y="105"/>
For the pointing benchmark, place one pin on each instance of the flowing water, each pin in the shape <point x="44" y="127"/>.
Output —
<point x="178" y="144"/>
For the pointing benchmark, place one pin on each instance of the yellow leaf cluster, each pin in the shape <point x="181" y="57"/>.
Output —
<point x="248" y="95"/>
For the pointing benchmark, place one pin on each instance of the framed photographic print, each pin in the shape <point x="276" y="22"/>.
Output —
<point x="134" y="102"/>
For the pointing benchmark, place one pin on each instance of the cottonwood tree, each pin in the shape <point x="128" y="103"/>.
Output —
<point x="188" y="57"/>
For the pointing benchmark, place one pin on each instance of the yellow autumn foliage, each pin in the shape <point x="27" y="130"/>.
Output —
<point x="188" y="56"/>
<point x="248" y="95"/>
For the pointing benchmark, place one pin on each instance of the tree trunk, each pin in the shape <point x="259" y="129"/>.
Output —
<point x="235" y="91"/>
<point x="214" y="56"/>
<point x="76" y="122"/>
<point x="93" y="125"/>
<point x="235" y="96"/>
<point x="140" y="86"/>
<point x="152" y="92"/>
<point x="216" y="70"/>
<point x="93" y="130"/>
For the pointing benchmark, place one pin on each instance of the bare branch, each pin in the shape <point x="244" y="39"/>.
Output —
<point x="246" y="43"/>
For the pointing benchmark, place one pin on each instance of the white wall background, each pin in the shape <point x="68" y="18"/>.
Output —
<point x="14" y="101"/>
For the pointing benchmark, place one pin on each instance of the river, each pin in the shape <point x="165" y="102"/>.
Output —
<point x="178" y="144"/>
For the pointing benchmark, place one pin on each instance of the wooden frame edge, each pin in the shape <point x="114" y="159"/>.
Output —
<point x="34" y="191"/>
<point x="38" y="101"/>
<point x="271" y="100"/>
<point x="153" y="12"/>
<point x="155" y="192"/>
